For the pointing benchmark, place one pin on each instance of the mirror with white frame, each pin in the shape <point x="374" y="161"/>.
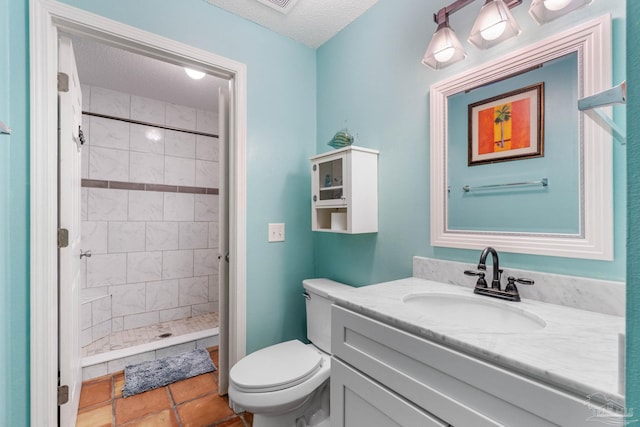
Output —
<point x="553" y="198"/>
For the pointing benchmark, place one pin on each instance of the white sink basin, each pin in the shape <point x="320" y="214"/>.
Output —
<point x="475" y="312"/>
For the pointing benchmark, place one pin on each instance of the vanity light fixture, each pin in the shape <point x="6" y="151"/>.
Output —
<point x="494" y="24"/>
<point x="547" y="10"/>
<point x="194" y="74"/>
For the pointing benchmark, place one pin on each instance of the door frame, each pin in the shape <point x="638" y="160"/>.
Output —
<point x="45" y="18"/>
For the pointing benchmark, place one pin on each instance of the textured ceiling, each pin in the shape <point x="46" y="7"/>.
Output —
<point x="120" y="70"/>
<point x="311" y="22"/>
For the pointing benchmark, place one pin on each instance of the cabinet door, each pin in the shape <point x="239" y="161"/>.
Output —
<point x="330" y="181"/>
<point x="358" y="401"/>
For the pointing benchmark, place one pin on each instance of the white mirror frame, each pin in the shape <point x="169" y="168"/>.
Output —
<point x="592" y="43"/>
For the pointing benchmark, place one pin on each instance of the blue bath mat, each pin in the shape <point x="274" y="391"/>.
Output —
<point x="159" y="373"/>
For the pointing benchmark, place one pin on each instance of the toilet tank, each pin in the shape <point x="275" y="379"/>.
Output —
<point x="318" y="302"/>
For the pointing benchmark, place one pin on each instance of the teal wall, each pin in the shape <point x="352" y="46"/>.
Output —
<point x="633" y="210"/>
<point x="370" y="76"/>
<point x="14" y="214"/>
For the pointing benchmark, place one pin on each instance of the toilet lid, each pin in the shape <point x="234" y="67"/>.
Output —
<point x="276" y="367"/>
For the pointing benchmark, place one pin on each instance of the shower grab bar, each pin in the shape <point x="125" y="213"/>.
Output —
<point x="543" y="182"/>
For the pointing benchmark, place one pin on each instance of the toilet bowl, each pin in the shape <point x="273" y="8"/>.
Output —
<point x="287" y="384"/>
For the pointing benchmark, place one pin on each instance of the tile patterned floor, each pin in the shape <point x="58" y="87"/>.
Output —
<point x="193" y="402"/>
<point x="137" y="336"/>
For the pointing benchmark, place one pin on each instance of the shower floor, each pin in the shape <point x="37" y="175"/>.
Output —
<point x="157" y="332"/>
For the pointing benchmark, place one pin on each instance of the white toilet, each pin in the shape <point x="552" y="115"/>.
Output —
<point x="287" y="384"/>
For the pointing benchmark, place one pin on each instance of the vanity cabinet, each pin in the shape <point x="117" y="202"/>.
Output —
<point x="344" y="191"/>
<point x="386" y="375"/>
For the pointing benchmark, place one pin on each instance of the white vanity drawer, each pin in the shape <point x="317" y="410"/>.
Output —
<point x="358" y="401"/>
<point x="460" y="389"/>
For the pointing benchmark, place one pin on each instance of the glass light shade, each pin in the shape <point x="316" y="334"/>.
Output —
<point x="494" y="24"/>
<point x="444" y="48"/>
<point x="547" y="10"/>
<point x="194" y="74"/>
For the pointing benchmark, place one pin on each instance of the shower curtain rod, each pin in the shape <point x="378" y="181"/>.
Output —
<point x="138" y="122"/>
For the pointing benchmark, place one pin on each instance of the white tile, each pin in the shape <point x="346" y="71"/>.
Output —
<point x="206" y="207"/>
<point x="180" y="144"/>
<point x="85" y="316"/>
<point x="175" y="350"/>
<point x="145" y="205"/>
<point x="179" y="171"/>
<point x="127" y="299"/>
<point x="117" y="324"/>
<point x="207" y="174"/>
<point x="107" y="269"/>
<point x="108" y="133"/>
<point x="144" y="266"/>
<point x="101" y="330"/>
<point x="207" y="148"/>
<point x="177" y="264"/>
<point x="213" y="235"/>
<point x="126" y="237"/>
<point x="147" y="110"/>
<point x="194" y="290"/>
<point x="175" y="314"/>
<point x="146" y="168"/>
<point x="146" y="139"/>
<point x="106" y="204"/>
<point x="110" y="102"/>
<point x="162" y="295"/>
<point x="140" y="320"/>
<point x="205" y="308"/>
<point x="179" y="206"/>
<point x="101" y="311"/>
<point x="86" y="337"/>
<point x="214" y="289"/>
<point x="207" y="121"/>
<point x="205" y="262"/>
<point x="84" y="162"/>
<point x="162" y="236"/>
<point x="94" y="236"/>
<point x="108" y="164"/>
<point x="194" y="235"/>
<point x="180" y="117"/>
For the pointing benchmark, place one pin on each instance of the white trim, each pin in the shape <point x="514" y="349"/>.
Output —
<point x="592" y="42"/>
<point x="45" y="17"/>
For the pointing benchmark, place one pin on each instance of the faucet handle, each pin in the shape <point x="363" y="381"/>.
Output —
<point x="481" y="283"/>
<point x="511" y="285"/>
<point x="524" y="281"/>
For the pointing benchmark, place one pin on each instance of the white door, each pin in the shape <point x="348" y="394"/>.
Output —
<point x="69" y="145"/>
<point x="223" y="241"/>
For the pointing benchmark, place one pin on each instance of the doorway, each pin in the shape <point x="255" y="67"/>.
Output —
<point x="46" y="20"/>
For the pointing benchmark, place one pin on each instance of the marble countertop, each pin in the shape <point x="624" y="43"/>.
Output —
<point x="576" y="351"/>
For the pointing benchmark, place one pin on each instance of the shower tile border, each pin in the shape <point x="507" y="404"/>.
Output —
<point x="121" y="185"/>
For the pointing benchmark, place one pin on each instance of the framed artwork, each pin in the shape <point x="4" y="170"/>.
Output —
<point x="509" y="126"/>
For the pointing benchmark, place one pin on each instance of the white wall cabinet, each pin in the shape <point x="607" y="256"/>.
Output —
<point x="344" y="191"/>
<point x="384" y="373"/>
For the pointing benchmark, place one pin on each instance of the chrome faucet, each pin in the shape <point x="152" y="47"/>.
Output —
<point x="509" y="293"/>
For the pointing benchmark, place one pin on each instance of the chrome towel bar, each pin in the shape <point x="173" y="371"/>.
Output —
<point x="543" y="182"/>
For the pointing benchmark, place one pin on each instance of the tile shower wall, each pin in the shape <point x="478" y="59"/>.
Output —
<point x="154" y="253"/>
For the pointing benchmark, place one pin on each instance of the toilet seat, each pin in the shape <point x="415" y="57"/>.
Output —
<point x="277" y="367"/>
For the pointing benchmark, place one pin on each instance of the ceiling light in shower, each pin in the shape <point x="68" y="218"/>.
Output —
<point x="194" y="74"/>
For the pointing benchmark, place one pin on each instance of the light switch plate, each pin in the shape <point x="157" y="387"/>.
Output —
<point x="276" y="232"/>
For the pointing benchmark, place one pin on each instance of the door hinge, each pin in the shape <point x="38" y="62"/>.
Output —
<point x="63" y="394"/>
<point x="63" y="237"/>
<point x="63" y="82"/>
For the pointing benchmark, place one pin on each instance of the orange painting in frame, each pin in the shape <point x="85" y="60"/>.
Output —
<point x="506" y="127"/>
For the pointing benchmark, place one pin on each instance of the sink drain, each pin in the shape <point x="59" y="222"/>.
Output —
<point x="165" y="335"/>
